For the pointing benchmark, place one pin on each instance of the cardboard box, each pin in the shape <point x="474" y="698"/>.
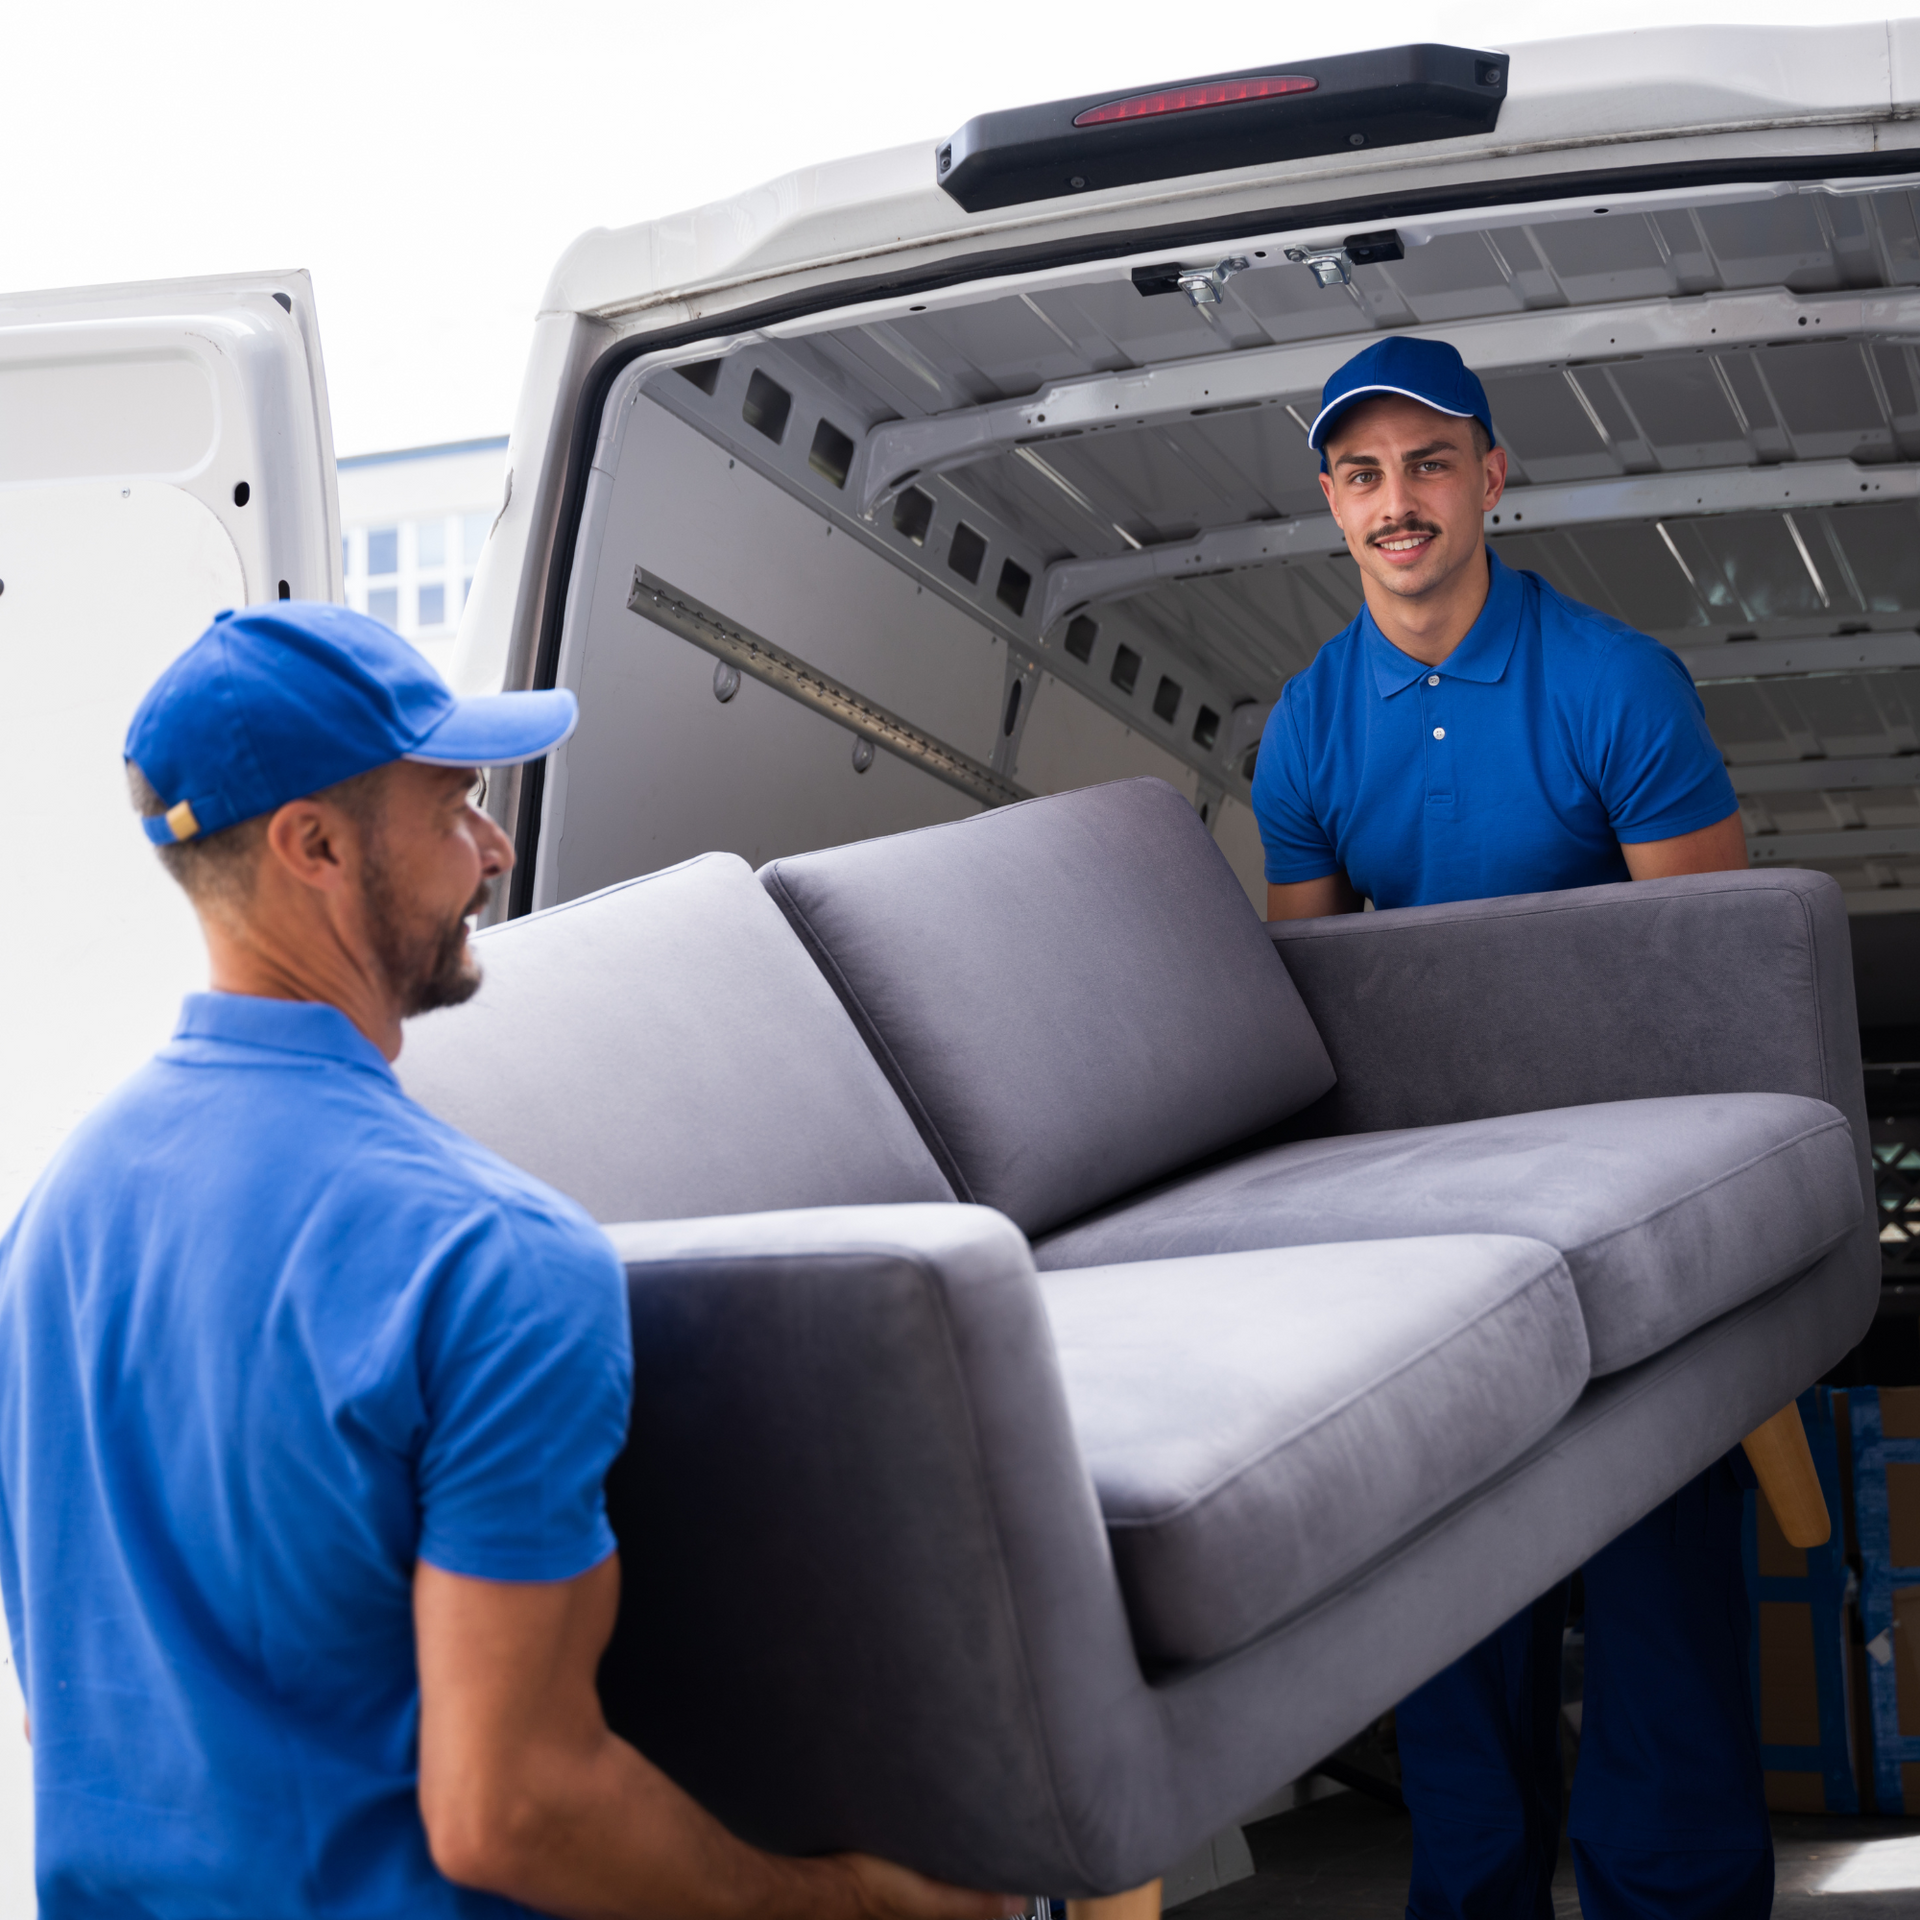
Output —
<point x="1900" y="1419"/>
<point x="1790" y="1700"/>
<point x="1800" y="1597"/>
<point x="1900" y="1649"/>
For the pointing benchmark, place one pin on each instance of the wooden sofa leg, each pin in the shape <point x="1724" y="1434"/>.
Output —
<point x="1783" y="1464"/>
<point x="1141" y="1903"/>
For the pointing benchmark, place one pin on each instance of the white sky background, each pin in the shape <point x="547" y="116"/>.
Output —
<point x="427" y="163"/>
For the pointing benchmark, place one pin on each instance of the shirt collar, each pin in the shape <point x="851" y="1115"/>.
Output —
<point x="281" y="1026"/>
<point x="1482" y="655"/>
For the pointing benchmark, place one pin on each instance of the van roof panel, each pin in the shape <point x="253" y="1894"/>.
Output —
<point x="1672" y="95"/>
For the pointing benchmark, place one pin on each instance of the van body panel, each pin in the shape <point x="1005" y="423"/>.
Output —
<point x="1704" y="389"/>
<point x="165" y="451"/>
<point x="1679" y="90"/>
<point x="207" y="385"/>
<point x="1650" y="111"/>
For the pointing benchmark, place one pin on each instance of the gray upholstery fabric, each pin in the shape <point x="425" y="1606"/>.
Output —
<point x="665" y="1048"/>
<point x="1260" y="1425"/>
<point x="845" y="1421"/>
<point x="1072" y="995"/>
<point x="1669" y="1212"/>
<point x="1633" y="1439"/>
<point x="868" y="1600"/>
<point x="1714" y="983"/>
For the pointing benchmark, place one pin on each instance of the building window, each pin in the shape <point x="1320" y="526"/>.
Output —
<point x="410" y="545"/>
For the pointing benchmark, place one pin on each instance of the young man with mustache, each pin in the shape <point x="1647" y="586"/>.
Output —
<point x="306" y="1400"/>
<point x="1475" y="733"/>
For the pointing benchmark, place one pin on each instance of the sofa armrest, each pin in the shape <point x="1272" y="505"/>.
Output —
<point x="1712" y="983"/>
<point x="861" y="1554"/>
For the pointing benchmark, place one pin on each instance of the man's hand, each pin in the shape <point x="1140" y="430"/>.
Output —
<point x="890" y="1892"/>
<point x="1720" y="848"/>
<point x="526" y="1792"/>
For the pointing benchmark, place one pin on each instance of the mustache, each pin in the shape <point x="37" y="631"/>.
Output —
<point x="481" y="895"/>
<point x="1401" y="532"/>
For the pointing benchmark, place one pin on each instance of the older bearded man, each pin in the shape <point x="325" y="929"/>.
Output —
<point x="306" y="1400"/>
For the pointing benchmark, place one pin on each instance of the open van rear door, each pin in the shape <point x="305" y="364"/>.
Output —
<point x="165" y="451"/>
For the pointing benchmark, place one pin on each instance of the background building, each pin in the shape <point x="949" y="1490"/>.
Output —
<point x="412" y="525"/>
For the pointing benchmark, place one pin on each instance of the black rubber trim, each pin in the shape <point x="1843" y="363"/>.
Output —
<point x="526" y="831"/>
<point x="1387" y="97"/>
<point x="1384" y="208"/>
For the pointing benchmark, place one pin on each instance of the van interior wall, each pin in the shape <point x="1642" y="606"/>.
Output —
<point x="1712" y="437"/>
<point x="662" y="769"/>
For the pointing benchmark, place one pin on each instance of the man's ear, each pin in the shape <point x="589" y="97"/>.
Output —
<point x="313" y="841"/>
<point x="1496" y="478"/>
<point x="1326" y="487"/>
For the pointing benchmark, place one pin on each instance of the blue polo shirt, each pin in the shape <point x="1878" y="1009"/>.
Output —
<point x="1551" y="734"/>
<point x="269" y="1334"/>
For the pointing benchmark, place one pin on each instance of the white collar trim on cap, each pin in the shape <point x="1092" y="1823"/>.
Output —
<point x="1406" y="393"/>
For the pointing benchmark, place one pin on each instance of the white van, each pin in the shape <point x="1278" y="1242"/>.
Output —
<point x="909" y="484"/>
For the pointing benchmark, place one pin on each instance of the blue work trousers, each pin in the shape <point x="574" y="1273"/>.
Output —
<point x="1669" y="1817"/>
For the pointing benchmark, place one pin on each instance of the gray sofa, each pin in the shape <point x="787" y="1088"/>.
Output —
<point x="1095" y="1352"/>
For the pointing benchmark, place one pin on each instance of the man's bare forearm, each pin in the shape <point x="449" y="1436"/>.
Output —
<point x="1313" y="899"/>
<point x="602" y="1833"/>
<point x="1720" y="848"/>
<point x="526" y="1792"/>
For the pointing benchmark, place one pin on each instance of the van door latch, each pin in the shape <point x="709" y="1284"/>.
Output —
<point x="1330" y="266"/>
<point x="1333" y="266"/>
<point x="1204" y="285"/>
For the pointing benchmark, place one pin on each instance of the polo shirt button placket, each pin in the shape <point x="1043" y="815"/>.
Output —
<point x="1439" y="784"/>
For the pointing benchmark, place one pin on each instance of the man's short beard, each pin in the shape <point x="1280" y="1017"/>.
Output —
<point x="425" y="967"/>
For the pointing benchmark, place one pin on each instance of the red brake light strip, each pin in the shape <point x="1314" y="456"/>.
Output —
<point x="1206" y="93"/>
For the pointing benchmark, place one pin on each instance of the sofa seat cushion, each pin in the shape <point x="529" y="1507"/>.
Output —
<point x="1071" y="996"/>
<point x="666" y="1048"/>
<point x="1260" y="1426"/>
<point x="1669" y="1212"/>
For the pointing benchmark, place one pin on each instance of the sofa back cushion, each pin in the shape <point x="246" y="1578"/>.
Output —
<point x="1071" y="996"/>
<point x="665" y="1049"/>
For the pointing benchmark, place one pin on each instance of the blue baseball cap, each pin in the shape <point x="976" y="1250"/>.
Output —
<point x="1429" y="371"/>
<point x="278" y="701"/>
